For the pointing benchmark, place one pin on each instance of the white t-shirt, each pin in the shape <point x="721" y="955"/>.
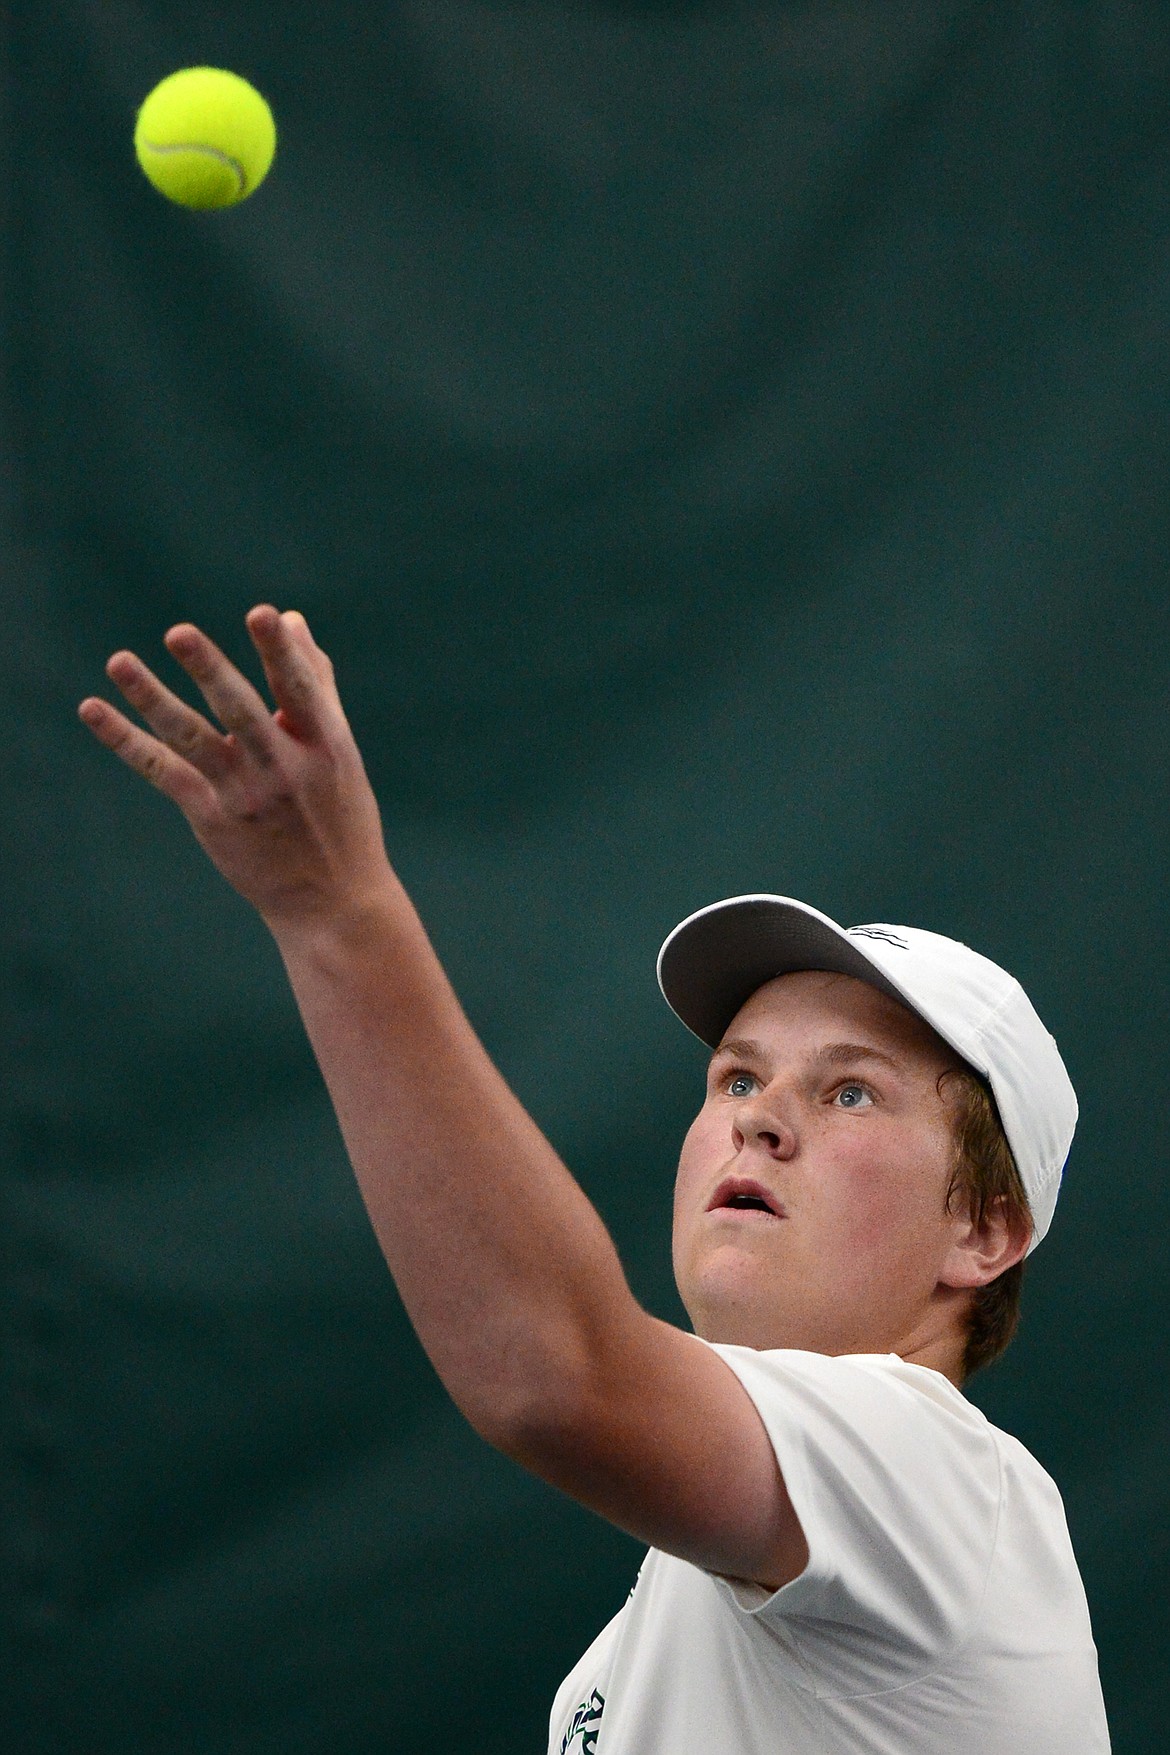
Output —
<point x="941" y="1611"/>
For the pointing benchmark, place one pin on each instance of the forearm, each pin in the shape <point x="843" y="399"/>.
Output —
<point x="504" y="1266"/>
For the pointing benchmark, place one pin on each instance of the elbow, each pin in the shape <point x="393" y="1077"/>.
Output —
<point x="545" y="1391"/>
<point x="532" y="1420"/>
<point x="532" y="1412"/>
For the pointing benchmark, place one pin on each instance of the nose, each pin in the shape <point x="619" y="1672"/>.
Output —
<point x="760" y="1120"/>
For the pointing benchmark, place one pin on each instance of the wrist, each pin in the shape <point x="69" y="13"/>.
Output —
<point x="345" y="916"/>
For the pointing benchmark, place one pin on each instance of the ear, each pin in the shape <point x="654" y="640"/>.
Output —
<point x="980" y="1253"/>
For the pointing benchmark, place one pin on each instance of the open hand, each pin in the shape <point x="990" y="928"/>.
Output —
<point x="280" y="804"/>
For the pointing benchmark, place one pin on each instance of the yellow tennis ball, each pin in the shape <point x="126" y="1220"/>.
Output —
<point x="205" y="137"/>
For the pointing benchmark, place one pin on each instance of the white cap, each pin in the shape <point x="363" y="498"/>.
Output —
<point x="715" y="959"/>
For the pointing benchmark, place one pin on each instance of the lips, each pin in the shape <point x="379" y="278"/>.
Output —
<point x="744" y="1194"/>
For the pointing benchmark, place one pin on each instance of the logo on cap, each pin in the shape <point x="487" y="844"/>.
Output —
<point x="890" y="938"/>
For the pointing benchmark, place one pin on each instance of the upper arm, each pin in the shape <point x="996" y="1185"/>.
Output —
<point x="660" y="1437"/>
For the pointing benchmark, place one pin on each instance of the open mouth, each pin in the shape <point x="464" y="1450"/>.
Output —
<point x="739" y="1194"/>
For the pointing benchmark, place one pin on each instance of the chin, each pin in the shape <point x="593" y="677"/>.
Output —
<point x="732" y="1315"/>
<point x="735" y="1300"/>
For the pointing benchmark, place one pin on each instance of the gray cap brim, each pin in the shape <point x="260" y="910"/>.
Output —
<point x="715" y="959"/>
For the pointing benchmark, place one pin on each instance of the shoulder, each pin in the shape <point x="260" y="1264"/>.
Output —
<point x="871" y="1440"/>
<point x="881" y="1392"/>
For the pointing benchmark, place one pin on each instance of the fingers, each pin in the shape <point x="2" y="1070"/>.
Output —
<point x="296" y="668"/>
<point x="181" y="727"/>
<point x="294" y="665"/>
<point x="145" y="754"/>
<point x="231" y="697"/>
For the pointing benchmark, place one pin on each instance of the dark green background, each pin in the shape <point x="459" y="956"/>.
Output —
<point x="722" y="448"/>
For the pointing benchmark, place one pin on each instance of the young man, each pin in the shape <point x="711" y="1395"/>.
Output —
<point x="844" y="1554"/>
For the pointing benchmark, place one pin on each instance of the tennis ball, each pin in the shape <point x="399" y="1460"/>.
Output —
<point x="205" y="137"/>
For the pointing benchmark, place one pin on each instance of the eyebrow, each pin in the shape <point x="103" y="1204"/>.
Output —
<point x="833" y="1054"/>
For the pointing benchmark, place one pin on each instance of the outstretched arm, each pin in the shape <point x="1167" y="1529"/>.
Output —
<point x="506" y="1270"/>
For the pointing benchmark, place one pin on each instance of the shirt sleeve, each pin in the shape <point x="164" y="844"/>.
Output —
<point x="897" y="1486"/>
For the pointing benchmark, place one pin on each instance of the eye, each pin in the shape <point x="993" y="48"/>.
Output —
<point x="737" y="1078"/>
<point x="847" y="1094"/>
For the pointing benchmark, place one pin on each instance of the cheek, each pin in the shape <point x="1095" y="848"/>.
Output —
<point x="878" y="1209"/>
<point x="705" y="1147"/>
<point x="689" y="1157"/>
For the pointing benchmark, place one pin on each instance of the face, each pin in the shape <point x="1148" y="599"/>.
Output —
<point x="829" y="1109"/>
